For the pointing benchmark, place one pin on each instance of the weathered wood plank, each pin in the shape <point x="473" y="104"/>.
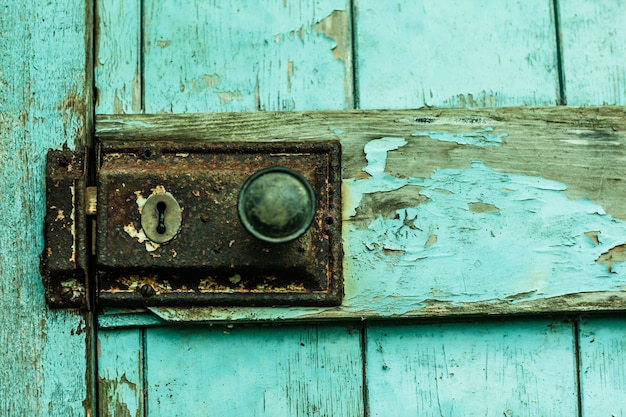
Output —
<point x="475" y="369"/>
<point x="455" y="54"/>
<point x="45" y="96"/>
<point x="229" y="56"/>
<point x="603" y="367"/>
<point x="288" y="371"/>
<point x="120" y="373"/>
<point x="446" y="211"/>
<point x="594" y="45"/>
<point x="117" y="61"/>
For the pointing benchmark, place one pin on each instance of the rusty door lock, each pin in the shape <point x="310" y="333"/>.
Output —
<point x="211" y="223"/>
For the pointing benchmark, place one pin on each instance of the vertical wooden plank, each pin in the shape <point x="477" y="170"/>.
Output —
<point x="603" y="367"/>
<point x="455" y="54"/>
<point x="213" y="55"/>
<point x="120" y="373"/>
<point x="45" y="101"/>
<point x="117" y="63"/>
<point x="593" y="37"/>
<point x="474" y="369"/>
<point x="289" y="371"/>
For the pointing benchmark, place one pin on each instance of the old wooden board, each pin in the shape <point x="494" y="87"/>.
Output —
<point x="446" y="53"/>
<point x="602" y="366"/>
<point x="120" y="373"/>
<point x="447" y="212"/>
<point x="593" y="49"/>
<point x="197" y="56"/>
<point x="472" y="369"/>
<point x="288" y="371"/>
<point x="45" y="96"/>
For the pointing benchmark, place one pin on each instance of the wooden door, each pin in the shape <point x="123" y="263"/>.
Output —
<point x="421" y="349"/>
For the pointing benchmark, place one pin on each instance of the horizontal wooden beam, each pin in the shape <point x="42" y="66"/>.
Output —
<point x="451" y="211"/>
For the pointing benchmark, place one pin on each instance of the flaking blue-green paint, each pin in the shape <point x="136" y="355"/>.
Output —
<point x="44" y="96"/>
<point x="268" y="58"/>
<point x="480" y="137"/>
<point x="532" y="240"/>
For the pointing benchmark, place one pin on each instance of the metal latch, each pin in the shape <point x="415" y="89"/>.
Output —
<point x="198" y="223"/>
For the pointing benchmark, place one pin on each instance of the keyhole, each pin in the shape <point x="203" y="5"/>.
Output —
<point x="161" y="206"/>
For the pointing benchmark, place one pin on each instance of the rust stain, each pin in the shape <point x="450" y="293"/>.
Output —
<point x="616" y="254"/>
<point x="74" y="112"/>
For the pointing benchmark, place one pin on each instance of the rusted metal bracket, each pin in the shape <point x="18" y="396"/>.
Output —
<point x="173" y="229"/>
<point x="64" y="262"/>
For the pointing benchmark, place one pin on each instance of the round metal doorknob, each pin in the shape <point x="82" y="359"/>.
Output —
<point x="276" y="205"/>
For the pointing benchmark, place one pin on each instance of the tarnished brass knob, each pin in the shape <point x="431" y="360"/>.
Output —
<point x="276" y="205"/>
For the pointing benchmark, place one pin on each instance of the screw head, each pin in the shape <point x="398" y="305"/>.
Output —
<point x="67" y="293"/>
<point x="146" y="290"/>
<point x="276" y="205"/>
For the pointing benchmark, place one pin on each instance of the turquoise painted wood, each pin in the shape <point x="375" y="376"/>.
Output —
<point x="239" y="55"/>
<point x="117" y="60"/>
<point x="508" y="369"/>
<point x="120" y="373"/>
<point x="45" y="95"/>
<point x="594" y="46"/>
<point x="196" y="56"/>
<point x="456" y="54"/>
<point x="603" y="366"/>
<point x="236" y="371"/>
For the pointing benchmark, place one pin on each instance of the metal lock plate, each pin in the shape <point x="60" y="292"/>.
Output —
<point x="169" y="231"/>
<point x="64" y="261"/>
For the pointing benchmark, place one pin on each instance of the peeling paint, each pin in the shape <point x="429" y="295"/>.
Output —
<point x="480" y="137"/>
<point x="376" y="156"/>
<point x="478" y="207"/>
<point x="211" y="80"/>
<point x="615" y="254"/>
<point x="163" y="43"/>
<point x="480" y="235"/>
<point x="228" y="96"/>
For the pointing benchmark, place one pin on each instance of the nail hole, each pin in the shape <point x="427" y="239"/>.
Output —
<point x="330" y="220"/>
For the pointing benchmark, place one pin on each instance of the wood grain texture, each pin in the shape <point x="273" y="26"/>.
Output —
<point x="289" y="371"/>
<point x="45" y="96"/>
<point x="117" y="63"/>
<point x="594" y="45"/>
<point x="603" y="366"/>
<point x="474" y="369"/>
<point x="455" y="54"/>
<point x="120" y="373"/>
<point x="230" y="56"/>
<point x="450" y="211"/>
